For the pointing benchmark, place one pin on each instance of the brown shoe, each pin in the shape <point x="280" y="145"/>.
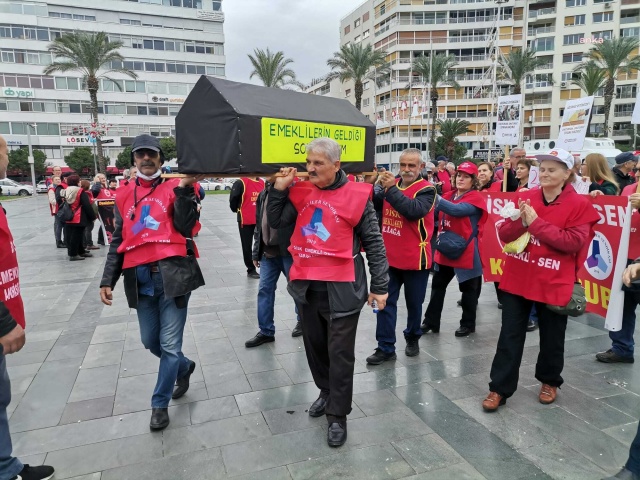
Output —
<point x="547" y="394"/>
<point x="493" y="401"/>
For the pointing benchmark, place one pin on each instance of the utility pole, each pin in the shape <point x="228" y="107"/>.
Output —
<point x="31" y="159"/>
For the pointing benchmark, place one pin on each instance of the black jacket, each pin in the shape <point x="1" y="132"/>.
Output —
<point x="235" y="198"/>
<point x="345" y="298"/>
<point x="284" y="233"/>
<point x="410" y="208"/>
<point x="185" y="214"/>
<point x="623" y="179"/>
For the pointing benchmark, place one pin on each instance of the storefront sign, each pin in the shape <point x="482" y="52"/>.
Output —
<point x="154" y="98"/>
<point x="88" y="140"/>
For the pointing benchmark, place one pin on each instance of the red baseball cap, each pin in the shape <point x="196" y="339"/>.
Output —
<point x="468" y="167"/>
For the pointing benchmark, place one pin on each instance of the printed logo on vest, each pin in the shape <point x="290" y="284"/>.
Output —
<point x="599" y="261"/>
<point x="146" y="221"/>
<point x="315" y="226"/>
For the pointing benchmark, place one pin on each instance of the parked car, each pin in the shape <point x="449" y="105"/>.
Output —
<point x="41" y="187"/>
<point x="9" y="187"/>
<point x="223" y="183"/>
<point x="207" y="184"/>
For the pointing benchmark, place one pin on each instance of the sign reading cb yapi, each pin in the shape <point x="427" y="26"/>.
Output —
<point x="13" y="92"/>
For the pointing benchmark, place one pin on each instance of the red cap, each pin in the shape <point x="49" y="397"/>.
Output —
<point x="468" y="167"/>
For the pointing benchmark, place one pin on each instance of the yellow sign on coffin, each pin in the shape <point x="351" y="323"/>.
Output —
<point x="285" y="141"/>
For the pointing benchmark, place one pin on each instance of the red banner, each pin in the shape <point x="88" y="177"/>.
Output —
<point x="596" y="273"/>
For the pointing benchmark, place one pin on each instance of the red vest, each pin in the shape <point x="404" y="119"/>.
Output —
<point x="634" y="238"/>
<point x="322" y="241"/>
<point x="149" y="236"/>
<point x="252" y="189"/>
<point x="76" y="208"/>
<point x="407" y="242"/>
<point x="542" y="273"/>
<point x="462" y="226"/>
<point x="9" y="274"/>
<point x="351" y="178"/>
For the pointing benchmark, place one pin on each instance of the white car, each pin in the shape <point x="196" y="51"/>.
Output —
<point x="218" y="184"/>
<point x="9" y="187"/>
<point x="42" y="187"/>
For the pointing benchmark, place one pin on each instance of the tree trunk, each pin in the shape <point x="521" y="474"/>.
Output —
<point x="92" y="85"/>
<point x="358" y="89"/>
<point x="434" y="117"/>
<point x="608" y="100"/>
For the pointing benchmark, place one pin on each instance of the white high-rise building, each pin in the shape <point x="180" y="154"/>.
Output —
<point x="167" y="43"/>
<point x="560" y="31"/>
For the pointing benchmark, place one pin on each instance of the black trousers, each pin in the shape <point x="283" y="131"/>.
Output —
<point x="87" y="240"/>
<point x="73" y="235"/>
<point x="505" y="368"/>
<point x="246" y="239"/>
<point x="330" y="347"/>
<point x="470" y="293"/>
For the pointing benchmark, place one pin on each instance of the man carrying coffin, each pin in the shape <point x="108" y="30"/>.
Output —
<point x="151" y="248"/>
<point x="334" y="219"/>
<point x="407" y="224"/>
<point x="242" y="199"/>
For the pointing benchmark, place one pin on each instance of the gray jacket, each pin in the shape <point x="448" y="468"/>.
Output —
<point x="345" y="298"/>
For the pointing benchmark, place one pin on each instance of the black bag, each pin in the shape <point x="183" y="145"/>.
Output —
<point x="65" y="213"/>
<point x="184" y="271"/>
<point x="452" y="245"/>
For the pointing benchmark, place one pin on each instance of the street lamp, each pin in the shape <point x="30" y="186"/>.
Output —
<point x="31" y="159"/>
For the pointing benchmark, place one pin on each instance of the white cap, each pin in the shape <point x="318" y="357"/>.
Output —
<point x="558" y="155"/>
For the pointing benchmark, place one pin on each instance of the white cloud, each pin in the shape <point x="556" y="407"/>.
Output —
<point x="307" y="31"/>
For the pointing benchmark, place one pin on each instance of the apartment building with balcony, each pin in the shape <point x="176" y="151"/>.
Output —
<point x="472" y="30"/>
<point x="167" y="43"/>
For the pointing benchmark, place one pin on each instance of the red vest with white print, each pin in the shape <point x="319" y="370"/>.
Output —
<point x="252" y="189"/>
<point x="9" y="273"/>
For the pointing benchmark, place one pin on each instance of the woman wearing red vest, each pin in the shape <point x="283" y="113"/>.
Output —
<point x="488" y="182"/>
<point x="463" y="212"/>
<point x="333" y="219"/>
<point x="560" y="224"/>
<point x="242" y="200"/>
<point x="83" y="215"/>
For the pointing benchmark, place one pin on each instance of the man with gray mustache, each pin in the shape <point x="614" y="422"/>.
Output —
<point x="407" y="224"/>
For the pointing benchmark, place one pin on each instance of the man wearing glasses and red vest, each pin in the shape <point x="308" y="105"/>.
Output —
<point x="334" y="219"/>
<point x="407" y="225"/>
<point x="152" y="249"/>
<point x="243" y="198"/>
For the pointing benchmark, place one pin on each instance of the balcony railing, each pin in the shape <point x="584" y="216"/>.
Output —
<point x="532" y="32"/>
<point x="625" y="20"/>
<point x="542" y="11"/>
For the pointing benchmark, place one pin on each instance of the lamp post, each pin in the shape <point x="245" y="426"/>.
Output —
<point x="31" y="159"/>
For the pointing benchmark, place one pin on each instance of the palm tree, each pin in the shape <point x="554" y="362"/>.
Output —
<point x="590" y="78"/>
<point x="450" y="131"/>
<point x="271" y="68"/>
<point x="437" y="72"/>
<point x="614" y="56"/>
<point x="95" y="57"/>
<point x="353" y="62"/>
<point x="517" y="65"/>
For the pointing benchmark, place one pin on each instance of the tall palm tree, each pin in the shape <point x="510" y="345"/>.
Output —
<point x="271" y="68"/>
<point x="614" y="56"/>
<point x="353" y="62"/>
<point x="437" y="72"/>
<point x="95" y="57"/>
<point x="590" y="78"/>
<point x="450" y="130"/>
<point x="517" y="65"/>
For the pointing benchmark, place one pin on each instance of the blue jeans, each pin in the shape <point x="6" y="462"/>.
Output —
<point x="415" y="288"/>
<point x="633" y="463"/>
<point x="270" y="270"/>
<point x="9" y="466"/>
<point x="622" y="340"/>
<point x="161" y="329"/>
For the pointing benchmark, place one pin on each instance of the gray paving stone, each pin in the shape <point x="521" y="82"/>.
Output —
<point x="460" y="471"/>
<point x="562" y="462"/>
<point x="202" y="464"/>
<point x="109" y="333"/>
<point x="225" y="379"/>
<point x="376" y="462"/>
<point x="296" y="366"/>
<point x="87" y="410"/>
<point x="376" y="403"/>
<point x="427" y="453"/>
<point x="628" y="403"/>
<point x="270" y="379"/>
<point x="277" y="398"/>
<point x="259" y="359"/>
<point x="456" y="388"/>
<point x="95" y="383"/>
<point x="623" y="433"/>
<point x="214" y="409"/>
<point x="296" y="417"/>
<point x="103" y="354"/>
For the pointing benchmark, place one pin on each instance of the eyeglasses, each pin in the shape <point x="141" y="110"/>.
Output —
<point x="146" y="152"/>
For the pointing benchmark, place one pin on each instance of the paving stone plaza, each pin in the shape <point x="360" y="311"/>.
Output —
<point x="82" y="386"/>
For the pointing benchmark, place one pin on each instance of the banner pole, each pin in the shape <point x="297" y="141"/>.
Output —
<point x="504" y="170"/>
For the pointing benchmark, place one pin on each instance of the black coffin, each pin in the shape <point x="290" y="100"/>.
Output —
<point x="235" y="128"/>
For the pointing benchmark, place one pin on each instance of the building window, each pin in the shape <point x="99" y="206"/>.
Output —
<point x="544" y="44"/>
<point x="630" y="32"/>
<point x="216" y="5"/>
<point x="357" y="39"/>
<point x="365" y="17"/>
<point x="575" y="20"/>
<point x="356" y="24"/>
<point x="347" y="29"/>
<point x="605" y="34"/>
<point x="573" y="39"/>
<point x="572" y="57"/>
<point x="365" y="34"/>
<point x="347" y="92"/>
<point x="603" y="17"/>
<point x="576" y="3"/>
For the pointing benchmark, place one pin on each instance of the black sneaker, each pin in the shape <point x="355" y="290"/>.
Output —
<point x="297" y="331"/>
<point x="379" y="357"/>
<point x="258" y="340"/>
<point x="413" y="348"/>
<point x="611" y="357"/>
<point x="459" y="302"/>
<point x="76" y="258"/>
<point x="426" y="329"/>
<point x="182" y="384"/>
<point x="42" y="472"/>
<point x="532" y="325"/>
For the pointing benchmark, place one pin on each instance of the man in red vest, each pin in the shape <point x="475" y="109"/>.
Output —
<point x="242" y="200"/>
<point x="407" y="225"/>
<point x="12" y="339"/>
<point x="334" y="219"/>
<point x="152" y="249"/>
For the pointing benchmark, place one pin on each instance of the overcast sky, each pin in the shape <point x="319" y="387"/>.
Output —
<point x="307" y="31"/>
